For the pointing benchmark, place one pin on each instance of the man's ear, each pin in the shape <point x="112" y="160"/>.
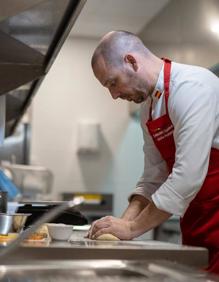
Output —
<point x="132" y="61"/>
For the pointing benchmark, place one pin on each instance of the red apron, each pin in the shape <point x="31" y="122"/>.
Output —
<point x="200" y="223"/>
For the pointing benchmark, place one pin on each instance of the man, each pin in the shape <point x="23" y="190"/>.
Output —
<point x="180" y="122"/>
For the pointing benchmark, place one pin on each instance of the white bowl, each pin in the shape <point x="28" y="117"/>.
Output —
<point x="60" y="231"/>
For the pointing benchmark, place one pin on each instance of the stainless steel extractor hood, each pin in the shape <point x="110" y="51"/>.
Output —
<point x="31" y="35"/>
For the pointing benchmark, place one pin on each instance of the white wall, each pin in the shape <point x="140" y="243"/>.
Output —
<point x="70" y="93"/>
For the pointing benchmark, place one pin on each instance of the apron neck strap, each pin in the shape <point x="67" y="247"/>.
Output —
<point x="167" y="71"/>
<point x="150" y="110"/>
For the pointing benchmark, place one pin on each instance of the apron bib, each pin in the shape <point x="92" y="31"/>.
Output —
<point x="200" y="223"/>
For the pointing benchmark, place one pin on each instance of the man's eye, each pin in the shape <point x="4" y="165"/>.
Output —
<point x="113" y="83"/>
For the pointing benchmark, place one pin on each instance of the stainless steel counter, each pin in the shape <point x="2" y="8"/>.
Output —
<point x="102" y="271"/>
<point x="85" y="249"/>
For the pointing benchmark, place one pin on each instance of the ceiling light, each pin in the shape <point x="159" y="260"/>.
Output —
<point x="215" y="27"/>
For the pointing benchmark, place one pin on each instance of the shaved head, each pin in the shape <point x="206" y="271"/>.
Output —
<point x="123" y="64"/>
<point x="115" y="44"/>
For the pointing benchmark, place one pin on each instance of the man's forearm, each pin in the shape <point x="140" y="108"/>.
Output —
<point x="137" y="204"/>
<point x="134" y="223"/>
<point x="148" y="218"/>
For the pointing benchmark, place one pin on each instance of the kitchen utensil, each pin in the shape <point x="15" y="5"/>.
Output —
<point x="10" y="223"/>
<point x="45" y="218"/>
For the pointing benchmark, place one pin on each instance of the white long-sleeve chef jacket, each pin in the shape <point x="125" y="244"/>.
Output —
<point x="194" y="111"/>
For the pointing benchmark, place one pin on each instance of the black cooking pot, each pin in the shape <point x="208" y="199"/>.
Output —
<point x="70" y="216"/>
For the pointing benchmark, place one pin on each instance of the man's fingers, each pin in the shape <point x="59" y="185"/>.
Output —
<point x="90" y="230"/>
<point x="94" y="227"/>
<point x="99" y="226"/>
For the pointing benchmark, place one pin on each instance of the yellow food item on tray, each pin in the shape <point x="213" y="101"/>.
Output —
<point x="41" y="234"/>
<point x="8" y="237"/>
<point x="43" y="229"/>
<point x="37" y="236"/>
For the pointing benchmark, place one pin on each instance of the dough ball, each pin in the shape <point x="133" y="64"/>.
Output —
<point x="107" y="237"/>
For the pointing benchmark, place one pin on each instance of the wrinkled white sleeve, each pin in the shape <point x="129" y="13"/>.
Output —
<point x="155" y="170"/>
<point x="193" y="115"/>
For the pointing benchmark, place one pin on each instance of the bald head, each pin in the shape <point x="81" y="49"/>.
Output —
<point x="125" y="66"/>
<point x="115" y="44"/>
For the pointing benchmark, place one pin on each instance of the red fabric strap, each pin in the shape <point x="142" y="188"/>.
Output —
<point x="167" y="72"/>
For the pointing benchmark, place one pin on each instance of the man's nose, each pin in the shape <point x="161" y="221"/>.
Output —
<point x="115" y="94"/>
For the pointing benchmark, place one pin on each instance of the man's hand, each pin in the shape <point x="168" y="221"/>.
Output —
<point x="125" y="229"/>
<point x="111" y="225"/>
